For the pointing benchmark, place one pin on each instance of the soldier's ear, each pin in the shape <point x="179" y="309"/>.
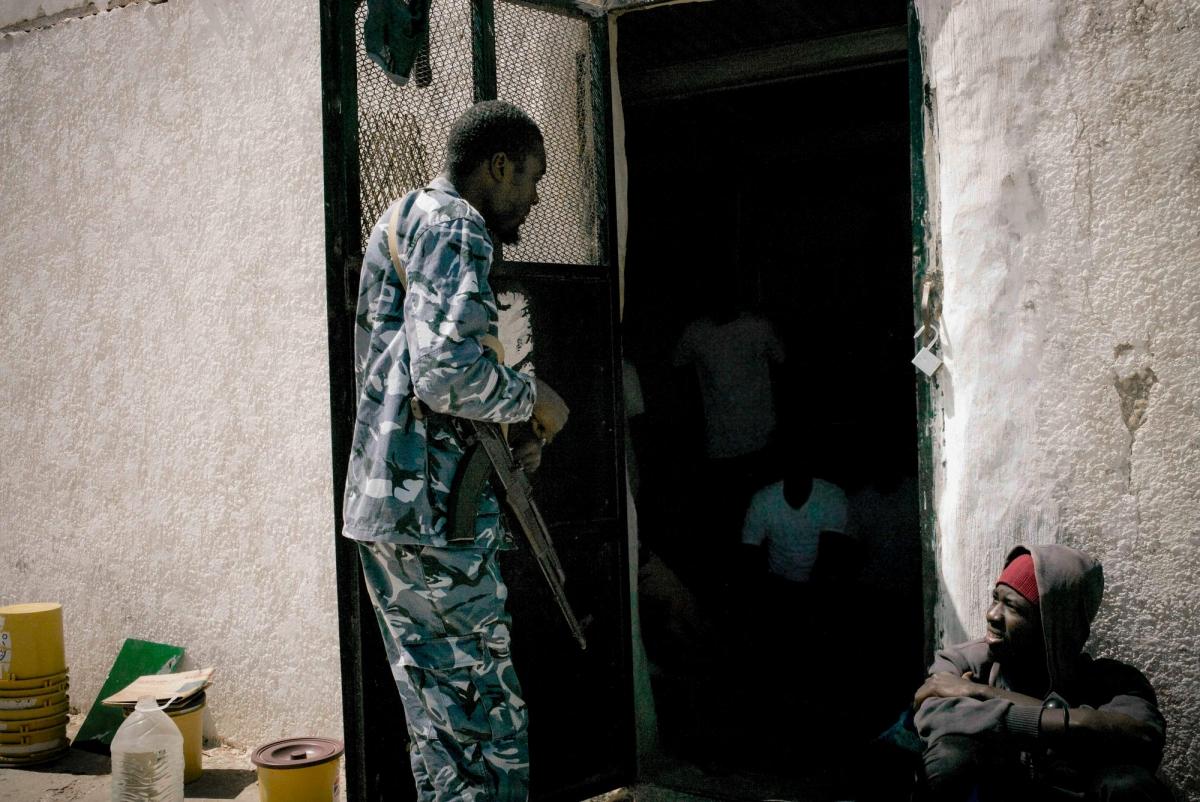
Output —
<point x="498" y="166"/>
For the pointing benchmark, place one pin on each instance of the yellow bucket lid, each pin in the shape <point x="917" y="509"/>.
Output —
<point x="297" y="753"/>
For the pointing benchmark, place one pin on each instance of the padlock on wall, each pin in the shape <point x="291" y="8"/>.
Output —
<point x="926" y="360"/>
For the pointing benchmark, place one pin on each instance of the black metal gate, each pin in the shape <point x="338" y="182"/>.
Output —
<point x="557" y="293"/>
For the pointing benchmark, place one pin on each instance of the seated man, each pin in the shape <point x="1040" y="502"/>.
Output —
<point x="1024" y="713"/>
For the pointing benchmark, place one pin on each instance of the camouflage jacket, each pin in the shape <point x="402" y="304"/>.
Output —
<point x="425" y="342"/>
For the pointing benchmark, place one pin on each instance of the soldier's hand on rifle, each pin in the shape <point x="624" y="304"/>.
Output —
<point x="549" y="412"/>
<point x="527" y="449"/>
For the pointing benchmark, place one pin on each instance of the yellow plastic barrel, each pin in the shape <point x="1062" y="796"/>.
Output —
<point x="31" y="641"/>
<point x="299" y="770"/>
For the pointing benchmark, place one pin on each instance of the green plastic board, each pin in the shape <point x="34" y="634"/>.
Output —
<point x="137" y="658"/>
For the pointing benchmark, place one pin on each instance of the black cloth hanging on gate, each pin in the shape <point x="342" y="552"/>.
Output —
<point x="396" y="36"/>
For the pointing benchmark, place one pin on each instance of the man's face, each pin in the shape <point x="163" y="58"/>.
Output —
<point x="515" y="195"/>
<point x="1014" y="628"/>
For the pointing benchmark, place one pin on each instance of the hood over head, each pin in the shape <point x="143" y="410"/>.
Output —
<point x="1070" y="586"/>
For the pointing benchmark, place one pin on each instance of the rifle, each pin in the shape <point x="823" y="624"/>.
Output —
<point x="487" y="454"/>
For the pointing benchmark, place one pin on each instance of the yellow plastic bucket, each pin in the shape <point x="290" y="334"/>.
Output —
<point x="54" y="733"/>
<point x="31" y="641"/>
<point x="24" y="687"/>
<point x="29" y="754"/>
<point x="23" y="707"/>
<point x="11" y="716"/>
<point x="189" y="718"/>
<point x="34" y="746"/>
<point x="299" y="770"/>
<point x="190" y="721"/>
<point x="32" y="724"/>
<point x="25" y="693"/>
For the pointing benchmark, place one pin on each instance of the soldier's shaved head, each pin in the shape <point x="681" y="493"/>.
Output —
<point x="487" y="128"/>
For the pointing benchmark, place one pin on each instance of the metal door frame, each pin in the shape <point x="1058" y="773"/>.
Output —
<point x="926" y="304"/>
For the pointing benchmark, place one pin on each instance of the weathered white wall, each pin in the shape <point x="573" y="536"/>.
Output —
<point x="164" y="382"/>
<point x="1064" y="171"/>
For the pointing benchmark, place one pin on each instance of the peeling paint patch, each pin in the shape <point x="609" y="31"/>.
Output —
<point x="1134" y="392"/>
<point x="30" y="15"/>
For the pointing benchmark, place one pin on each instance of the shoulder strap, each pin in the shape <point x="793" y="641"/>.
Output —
<point x="394" y="247"/>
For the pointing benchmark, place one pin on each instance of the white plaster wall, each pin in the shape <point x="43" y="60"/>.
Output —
<point x="164" y="382"/>
<point x="1064" y="173"/>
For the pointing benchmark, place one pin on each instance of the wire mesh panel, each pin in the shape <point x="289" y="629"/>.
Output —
<point x="545" y="65"/>
<point x="402" y="130"/>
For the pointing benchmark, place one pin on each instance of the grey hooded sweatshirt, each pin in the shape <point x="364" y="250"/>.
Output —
<point x="1070" y="586"/>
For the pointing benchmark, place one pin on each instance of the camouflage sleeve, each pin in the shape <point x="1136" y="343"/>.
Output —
<point x="447" y="310"/>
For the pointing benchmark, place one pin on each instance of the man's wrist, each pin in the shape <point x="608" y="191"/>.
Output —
<point x="983" y="692"/>
<point x="1055" y="717"/>
<point x="1023" y="721"/>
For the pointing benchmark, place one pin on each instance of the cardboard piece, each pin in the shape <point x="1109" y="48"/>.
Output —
<point x="176" y="688"/>
<point x="136" y="658"/>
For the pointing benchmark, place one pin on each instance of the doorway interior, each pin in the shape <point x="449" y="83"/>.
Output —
<point x="769" y="207"/>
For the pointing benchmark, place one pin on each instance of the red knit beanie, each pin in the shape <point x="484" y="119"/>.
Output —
<point x="1019" y="576"/>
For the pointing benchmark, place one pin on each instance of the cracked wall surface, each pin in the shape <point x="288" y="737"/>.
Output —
<point x="1064" y="178"/>
<point x="166" y="470"/>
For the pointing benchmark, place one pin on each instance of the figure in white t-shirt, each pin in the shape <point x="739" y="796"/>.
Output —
<point x="788" y="517"/>
<point x="733" y="353"/>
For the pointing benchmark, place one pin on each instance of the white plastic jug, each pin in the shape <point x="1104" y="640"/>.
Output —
<point x="147" y="757"/>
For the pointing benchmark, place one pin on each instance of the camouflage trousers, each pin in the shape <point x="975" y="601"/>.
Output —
<point x="441" y="612"/>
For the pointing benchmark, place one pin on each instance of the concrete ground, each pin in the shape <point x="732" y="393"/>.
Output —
<point x="80" y="776"/>
<point x="229" y="775"/>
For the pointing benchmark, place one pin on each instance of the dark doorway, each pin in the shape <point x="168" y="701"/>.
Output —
<point x="782" y="203"/>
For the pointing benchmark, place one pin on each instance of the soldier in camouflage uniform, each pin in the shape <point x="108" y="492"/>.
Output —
<point x="421" y="329"/>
